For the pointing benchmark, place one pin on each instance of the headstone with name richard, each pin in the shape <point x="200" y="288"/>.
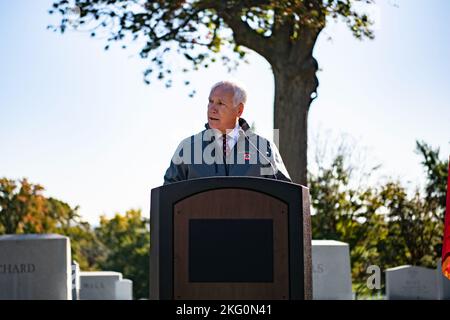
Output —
<point x="35" y="267"/>
<point x="411" y="283"/>
<point x="99" y="285"/>
<point x="124" y="289"/>
<point x="332" y="278"/>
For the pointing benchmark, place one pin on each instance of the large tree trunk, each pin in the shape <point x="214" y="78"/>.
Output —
<point x="294" y="86"/>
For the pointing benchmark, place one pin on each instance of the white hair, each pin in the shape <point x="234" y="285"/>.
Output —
<point x="239" y="93"/>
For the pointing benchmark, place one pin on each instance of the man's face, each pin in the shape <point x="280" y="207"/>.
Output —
<point x="222" y="113"/>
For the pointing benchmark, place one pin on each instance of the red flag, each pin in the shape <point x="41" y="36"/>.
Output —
<point x="446" y="241"/>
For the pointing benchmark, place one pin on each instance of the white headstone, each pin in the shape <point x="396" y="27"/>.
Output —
<point x="332" y="279"/>
<point x="124" y="290"/>
<point x="99" y="285"/>
<point x="411" y="283"/>
<point x="443" y="283"/>
<point x="35" y="267"/>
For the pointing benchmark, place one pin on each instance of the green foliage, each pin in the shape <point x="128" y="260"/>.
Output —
<point x="87" y="249"/>
<point x="436" y="173"/>
<point x="383" y="225"/>
<point x="127" y="238"/>
<point x="413" y="224"/>
<point x="22" y="209"/>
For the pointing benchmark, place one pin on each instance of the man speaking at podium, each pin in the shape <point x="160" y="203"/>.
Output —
<point x="227" y="147"/>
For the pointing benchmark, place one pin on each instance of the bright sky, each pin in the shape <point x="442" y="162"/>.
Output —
<point x="80" y="121"/>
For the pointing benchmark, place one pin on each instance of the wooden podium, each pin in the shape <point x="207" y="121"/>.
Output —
<point x="227" y="238"/>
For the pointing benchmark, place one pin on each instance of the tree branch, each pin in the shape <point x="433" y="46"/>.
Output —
<point x="243" y="34"/>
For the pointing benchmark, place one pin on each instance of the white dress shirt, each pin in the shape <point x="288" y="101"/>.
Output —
<point x="232" y="137"/>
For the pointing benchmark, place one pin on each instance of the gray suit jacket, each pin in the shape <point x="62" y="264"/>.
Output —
<point x="200" y="156"/>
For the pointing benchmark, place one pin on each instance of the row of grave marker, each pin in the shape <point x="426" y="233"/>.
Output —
<point x="40" y="267"/>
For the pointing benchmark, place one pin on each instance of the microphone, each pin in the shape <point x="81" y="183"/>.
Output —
<point x="259" y="151"/>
